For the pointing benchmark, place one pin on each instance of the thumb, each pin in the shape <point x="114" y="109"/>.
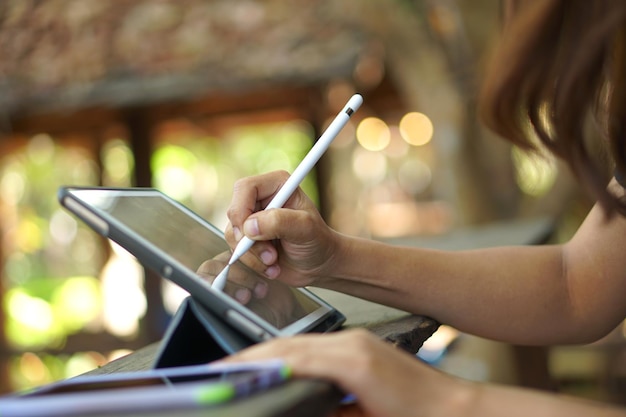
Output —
<point x="281" y="223"/>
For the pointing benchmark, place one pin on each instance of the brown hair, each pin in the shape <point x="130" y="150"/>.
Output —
<point x="560" y="61"/>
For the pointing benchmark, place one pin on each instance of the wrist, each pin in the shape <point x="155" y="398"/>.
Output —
<point x="351" y="260"/>
<point x="337" y="256"/>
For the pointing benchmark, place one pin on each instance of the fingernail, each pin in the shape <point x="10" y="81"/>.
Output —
<point x="260" y="289"/>
<point x="266" y="257"/>
<point x="272" y="272"/>
<point x="242" y="295"/>
<point x="237" y="234"/>
<point x="251" y="227"/>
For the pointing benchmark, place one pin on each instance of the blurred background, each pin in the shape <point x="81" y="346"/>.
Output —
<point x="189" y="95"/>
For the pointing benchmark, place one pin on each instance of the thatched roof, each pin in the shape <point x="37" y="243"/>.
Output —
<point x="57" y="54"/>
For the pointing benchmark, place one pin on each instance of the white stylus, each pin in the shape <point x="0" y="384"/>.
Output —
<point x="295" y="179"/>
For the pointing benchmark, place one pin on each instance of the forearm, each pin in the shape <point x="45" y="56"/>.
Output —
<point x="517" y="294"/>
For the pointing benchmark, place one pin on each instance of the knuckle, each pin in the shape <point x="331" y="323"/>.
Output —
<point x="231" y="212"/>
<point x="207" y="269"/>
<point x="241" y="186"/>
<point x="282" y="174"/>
<point x="241" y="183"/>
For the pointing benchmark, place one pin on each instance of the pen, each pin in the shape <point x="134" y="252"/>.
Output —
<point x="295" y="179"/>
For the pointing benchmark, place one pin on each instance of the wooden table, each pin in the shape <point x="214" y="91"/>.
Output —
<point x="300" y="397"/>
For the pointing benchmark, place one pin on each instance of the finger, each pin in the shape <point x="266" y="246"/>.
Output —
<point x="251" y="194"/>
<point x="263" y="258"/>
<point x="375" y="368"/>
<point x="236" y="275"/>
<point x="230" y="237"/>
<point x="302" y="353"/>
<point x="242" y="285"/>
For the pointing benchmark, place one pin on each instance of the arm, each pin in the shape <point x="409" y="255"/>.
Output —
<point x="528" y="295"/>
<point x="569" y="293"/>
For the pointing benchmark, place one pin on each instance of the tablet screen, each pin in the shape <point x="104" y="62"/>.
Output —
<point x="190" y="241"/>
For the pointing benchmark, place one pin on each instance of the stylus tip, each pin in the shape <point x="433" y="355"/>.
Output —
<point x="220" y="280"/>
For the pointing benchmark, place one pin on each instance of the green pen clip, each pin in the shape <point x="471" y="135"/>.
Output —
<point x="215" y="393"/>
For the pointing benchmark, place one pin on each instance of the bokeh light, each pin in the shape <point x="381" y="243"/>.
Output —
<point x="369" y="167"/>
<point x="41" y="149"/>
<point x="416" y="128"/>
<point x="118" y="163"/>
<point x="44" y="312"/>
<point x="123" y="298"/>
<point x="82" y="362"/>
<point x="171" y="167"/>
<point x="76" y="303"/>
<point x="30" y="321"/>
<point x="13" y="184"/>
<point x="63" y="227"/>
<point x="414" y="176"/>
<point x="535" y="174"/>
<point x="373" y="134"/>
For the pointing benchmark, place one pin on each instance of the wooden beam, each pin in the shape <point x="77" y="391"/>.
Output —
<point x="62" y="122"/>
<point x="221" y="103"/>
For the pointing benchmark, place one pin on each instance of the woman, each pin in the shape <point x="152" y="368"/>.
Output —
<point x="560" y="62"/>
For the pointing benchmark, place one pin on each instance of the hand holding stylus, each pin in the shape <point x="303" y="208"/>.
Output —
<point x="295" y="179"/>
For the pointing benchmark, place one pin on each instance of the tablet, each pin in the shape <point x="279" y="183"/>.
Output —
<point x="172" y="240"/>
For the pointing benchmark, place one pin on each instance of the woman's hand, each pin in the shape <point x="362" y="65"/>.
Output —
<point x="273" y="301"/>
<point x="385" y="380"/>
<point x="242" y="285"/>
<point x="293" y="243"/>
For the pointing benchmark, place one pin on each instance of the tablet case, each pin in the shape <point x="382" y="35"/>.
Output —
<point x="196" y="336"/>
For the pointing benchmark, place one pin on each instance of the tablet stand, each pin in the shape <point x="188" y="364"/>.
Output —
<point x="196" y="336"/>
